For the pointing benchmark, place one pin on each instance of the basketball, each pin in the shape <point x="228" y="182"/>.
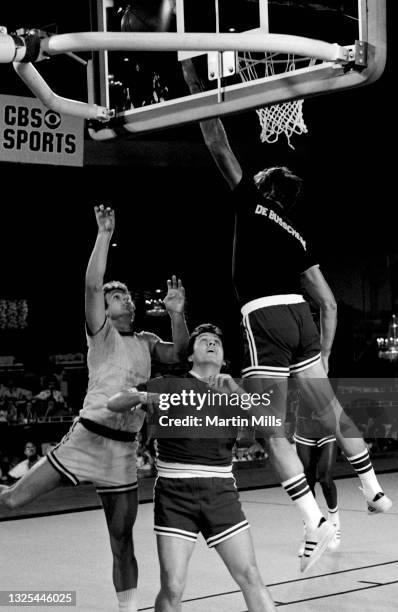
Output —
<point x="148" y="16"/>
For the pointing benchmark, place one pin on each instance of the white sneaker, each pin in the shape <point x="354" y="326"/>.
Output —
<point x="316" y="542"/>
<point x="380" y="503"/>
<point x="336" y="541"/>
<point x="302" y="544"/>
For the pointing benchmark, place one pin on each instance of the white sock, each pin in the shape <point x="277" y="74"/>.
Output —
<point x="363" y="467"/>
<point x="298" y="490"/>
<point x="127" y="600"/>
<point x="334" y="517"/>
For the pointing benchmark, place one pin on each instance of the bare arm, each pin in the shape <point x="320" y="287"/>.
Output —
<point x="94" y="297"/>
<point x="128" y="400"/>
<point x="172" y="352"/>
<point x="214" y="134"/>
<point x="317" y="288"/>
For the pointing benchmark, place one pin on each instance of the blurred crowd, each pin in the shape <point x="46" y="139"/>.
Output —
<point x="34" y="399"/>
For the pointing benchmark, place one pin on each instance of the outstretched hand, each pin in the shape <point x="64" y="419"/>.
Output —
<point x="105" y="217"/>
<point x="175" y="298"/>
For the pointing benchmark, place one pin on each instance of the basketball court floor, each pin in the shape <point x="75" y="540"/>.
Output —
<point x="70" y="552"/>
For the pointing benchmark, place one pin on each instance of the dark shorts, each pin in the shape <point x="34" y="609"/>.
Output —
<point x="312" y="429"/>
<point x="186" y="506"/>
<point x="279" y="340"/>
<point x="318" y="442"/>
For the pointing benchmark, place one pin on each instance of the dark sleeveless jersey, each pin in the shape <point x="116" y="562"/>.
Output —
<point x="269" y="253"/>
<point x="209" y="451"/>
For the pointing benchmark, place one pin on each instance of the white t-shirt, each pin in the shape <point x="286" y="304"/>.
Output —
<point x="116" y="361"/>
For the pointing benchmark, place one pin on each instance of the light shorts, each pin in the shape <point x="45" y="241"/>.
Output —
<point x="84" y="456"/>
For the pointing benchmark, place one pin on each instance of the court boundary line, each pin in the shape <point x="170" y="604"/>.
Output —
<point x="273" y="584"/>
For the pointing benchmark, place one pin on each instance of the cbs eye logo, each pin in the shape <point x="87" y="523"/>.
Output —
<point x="52" y="119"/>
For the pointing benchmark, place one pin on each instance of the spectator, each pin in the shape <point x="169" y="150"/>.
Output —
<point x="10" y="391"/>
<point x="3" y="413"/>
<point x="12" y="413"/>
<point x="51" y="393"/>
<point x="56" y="409"/>
<point x="21" y="468"/>
<point x="30" y="412"/>
<point x="145" y="460"/>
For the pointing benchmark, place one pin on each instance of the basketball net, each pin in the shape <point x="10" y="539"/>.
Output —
<point x="285" y="118"/>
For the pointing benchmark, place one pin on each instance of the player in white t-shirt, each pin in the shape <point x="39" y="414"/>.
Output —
<point x="100" y="446"/>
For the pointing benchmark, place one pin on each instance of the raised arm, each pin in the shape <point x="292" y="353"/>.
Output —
<point x="214" y="133"/>
<point x="317" y="288"/>
<point x="94" y="297"/>
<point x="172" y="352"/>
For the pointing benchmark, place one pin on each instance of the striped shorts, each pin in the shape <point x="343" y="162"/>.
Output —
<point x="280" y="337"/>
<point x="84" y="456"/>
<point x="186" y="506"/>
<point x="318" y="442"/>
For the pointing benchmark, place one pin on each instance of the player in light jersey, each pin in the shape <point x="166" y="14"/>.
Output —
<point x="100" y="446"/>
<point x="195" y="490"/>
<point x="272" y="263"/>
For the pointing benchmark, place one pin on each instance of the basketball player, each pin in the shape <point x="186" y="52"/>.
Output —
<point x="100" y="446"/>
<point x="195" y="490"/>
<point x="281" y="338"/>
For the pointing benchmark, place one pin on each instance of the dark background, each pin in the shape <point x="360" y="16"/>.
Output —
<point x="173" y="213"/>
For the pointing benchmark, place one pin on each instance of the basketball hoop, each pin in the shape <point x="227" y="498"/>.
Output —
<point x="286" y="118"/>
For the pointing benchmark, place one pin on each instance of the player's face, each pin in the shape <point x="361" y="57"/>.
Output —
<point x="208" y="349"/>
<point x="120" y="303"/>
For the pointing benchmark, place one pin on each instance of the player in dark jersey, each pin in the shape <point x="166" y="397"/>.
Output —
<point x="195" y="490"/>
<point x="281" y="338"/>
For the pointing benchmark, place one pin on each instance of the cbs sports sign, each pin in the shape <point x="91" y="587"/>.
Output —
<point x="30" y="133"/>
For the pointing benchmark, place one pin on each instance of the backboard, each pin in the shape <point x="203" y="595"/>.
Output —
<point x="251" y="53"/>
<point x="147" y="90"/>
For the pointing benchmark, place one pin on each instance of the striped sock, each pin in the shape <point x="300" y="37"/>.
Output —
<point x="127" y="600"/>
<point x="298" y="490"/>
<point x="364" y="469"/>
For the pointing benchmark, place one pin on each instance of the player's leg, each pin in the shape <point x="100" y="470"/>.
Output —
<point x="176" y="509"/>
<point x="238" y="555"/>
<point x="272" y="335"/>
<point x="307" y="453"/>
<point x="40" y="479"/>
<point x="327" y="451"/>
<point x="46" y="475"/>
<point x="326" y="460"/>
<point x="317" y="391"/>
<point x="174" y="555"/>
<point x="121" y="512"/>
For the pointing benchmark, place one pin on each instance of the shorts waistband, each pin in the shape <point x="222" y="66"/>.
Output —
<point x="271" y="300"/>
<point x="107" y="432"/>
